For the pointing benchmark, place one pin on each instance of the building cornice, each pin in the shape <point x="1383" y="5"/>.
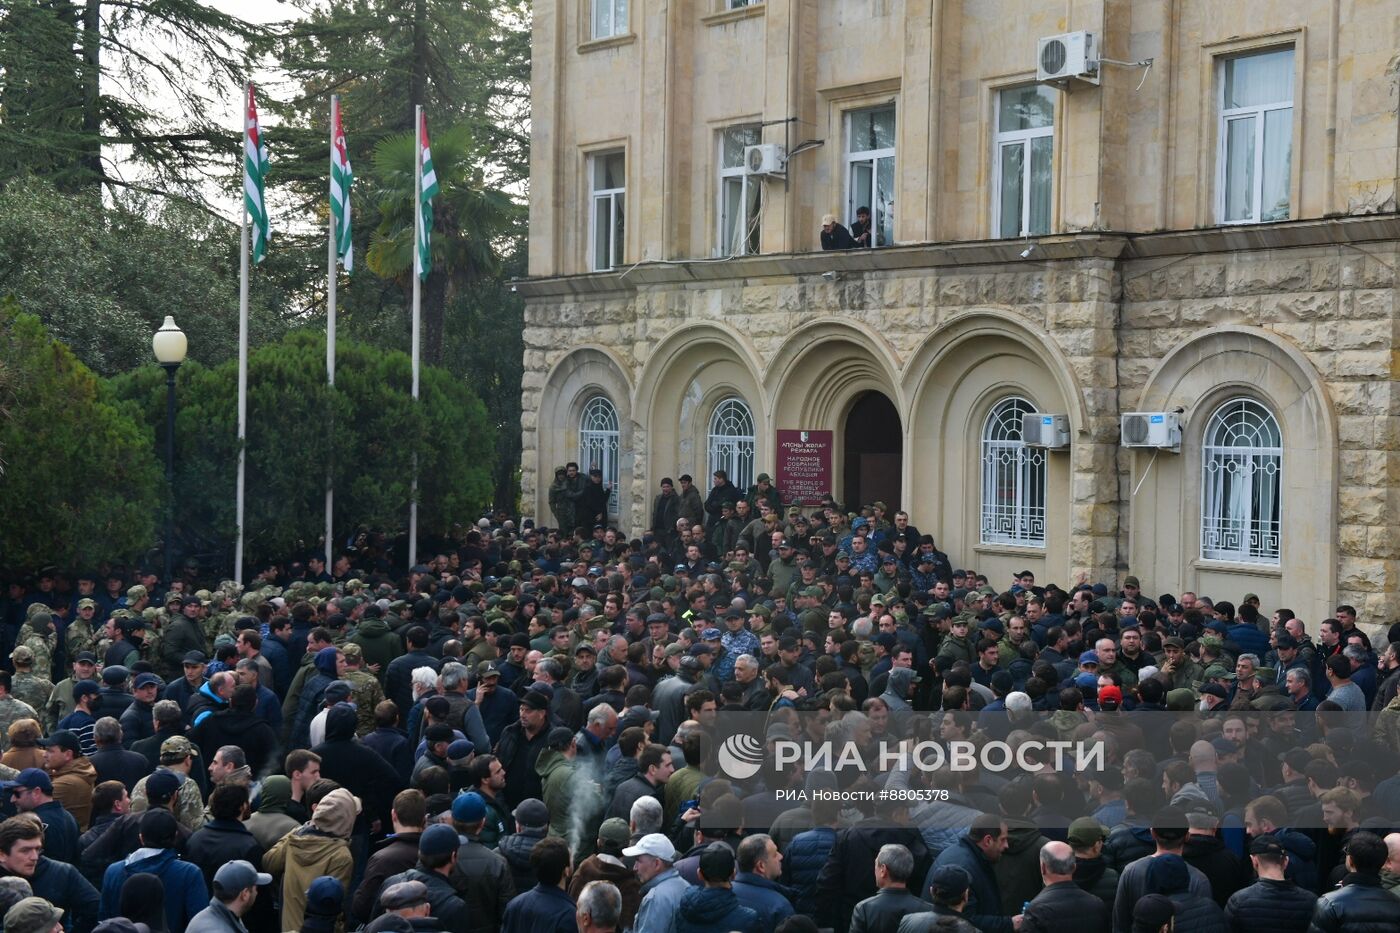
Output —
<point x="1070" y="247"/>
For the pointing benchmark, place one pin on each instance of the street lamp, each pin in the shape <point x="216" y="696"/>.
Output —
<point x="169" y="344"/>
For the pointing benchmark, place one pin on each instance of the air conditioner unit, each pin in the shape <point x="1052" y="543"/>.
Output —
<point x="1042" y="430"/>
<point x="1157" y="429"/>
<point x="767" y="159"/>
<point x="1072" y="55"/>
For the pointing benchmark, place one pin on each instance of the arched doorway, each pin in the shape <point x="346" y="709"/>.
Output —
<point x="872" y="452"/>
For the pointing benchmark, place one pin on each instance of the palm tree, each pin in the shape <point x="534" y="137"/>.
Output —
<point x="469" y="222"/>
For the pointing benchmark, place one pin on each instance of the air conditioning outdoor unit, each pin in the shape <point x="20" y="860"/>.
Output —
<point x="1157" y="429"/>
<point x="766" y="159"/>
<point x="1072" y="55"/>
<point x="1042" y="430"/>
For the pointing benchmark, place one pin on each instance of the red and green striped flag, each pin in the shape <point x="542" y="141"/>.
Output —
<point x="254" y="175"/>
<point x="341" y="179"/>
<point x="427" y="190"/>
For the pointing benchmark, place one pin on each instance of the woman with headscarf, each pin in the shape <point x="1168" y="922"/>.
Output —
<point x="271" y="822"/>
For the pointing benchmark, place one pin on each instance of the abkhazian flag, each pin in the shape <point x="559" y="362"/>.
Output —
<point x="254" y="174"/>
<point x="428" y="189"/>
<point x="341" y="179"/>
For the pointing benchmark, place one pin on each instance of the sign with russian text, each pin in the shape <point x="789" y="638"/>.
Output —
<point x="804" y="466"/>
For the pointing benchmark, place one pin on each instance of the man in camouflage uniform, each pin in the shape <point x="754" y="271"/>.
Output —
<point x="81" y="634"/>
<point x="11" y="710"/>
<point x="177" y="755"/>
<point x="137" y="599"/>
<point x="364" y="689"/>
<point x="38" y="636"/>
<point x="30" y="688"/>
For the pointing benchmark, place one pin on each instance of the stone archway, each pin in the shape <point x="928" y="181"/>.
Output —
<point x="872" y="452"/>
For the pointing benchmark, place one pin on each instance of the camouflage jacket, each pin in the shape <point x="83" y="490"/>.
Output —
<point x="34" y="690"/>
<point x="78" y="637"/>
<point x="43" y="647"/>
<point x="189" y="804"/>
<point x="367" y="694"/>
<point x="11" y="711"/>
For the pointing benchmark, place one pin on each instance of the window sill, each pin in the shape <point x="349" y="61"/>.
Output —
<point x="1010" y="550"/>
<point x="1270" y="571"/>
<point x="725" y="17"/>
<point x="611" y="42"/>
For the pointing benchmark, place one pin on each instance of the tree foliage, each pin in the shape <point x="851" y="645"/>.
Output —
<point x="367" y="428"/>
<point x="102" y="280"/>
<point x="140" y="76"/>
<point x="81" y="481"/>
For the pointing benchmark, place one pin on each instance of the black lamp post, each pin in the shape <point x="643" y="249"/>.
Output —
<point x="169" y="344"/>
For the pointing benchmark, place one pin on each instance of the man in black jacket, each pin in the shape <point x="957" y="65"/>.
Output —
<point x="224" y="838"/>
<point x="137" y="722"/>
<point x="113" y="762"/>
<point x="437" y="863"/>
<point x="894" y="865"/>
<point x="848" y="877"/>
<point x="1361" y="903"/>
<point x="592" y="503"/>
<point x="483" y="878"/>
<point x="1062" y="904"/>
<point x="398" y="678"/>
<point x="1273" y="902"/>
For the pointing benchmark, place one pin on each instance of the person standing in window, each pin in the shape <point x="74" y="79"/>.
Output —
<point x="861" y="233"/>
<point x="834" y="235"/>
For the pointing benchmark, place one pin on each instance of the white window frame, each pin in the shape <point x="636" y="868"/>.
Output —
<point x="617" y="212"/>
<point x="872" y="157"/>
<point x="1259" y="114"/>
<point x="732" y="441"/>
<point x="749" y="183"/>
<point x="740" y="4"/>
<point x="1021" y="521"/>
<point x="1022" y="138"/>
<point x="607" y="18"/>
<point x="600" y="442"/>
<point x="1244" y="440"/>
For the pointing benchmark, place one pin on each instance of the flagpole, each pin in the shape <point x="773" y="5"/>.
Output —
<point x="242" y="364"/>
<point x="330" y="343"/>
<point x="417" y="301"/>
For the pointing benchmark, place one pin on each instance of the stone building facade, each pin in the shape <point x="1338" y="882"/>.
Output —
<point x="1150" y="268"/>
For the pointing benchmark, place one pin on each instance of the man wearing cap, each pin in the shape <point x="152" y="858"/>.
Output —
<point x="949" y="887"/>
<point x="1091" y="872"/>
<point x="1178" y="669"/>
<point x="12" y="710"/>
<point x="429" y="881"/>
<point x="181" y="636"/>
<point x="520" y="746"/>
<point x="661" y="885"/>
<point x="185" y="891"/>
<point x="39" y="637"/>
<point x="365" y="690"/>
<point x="763" y="491"/>
<point x="713" y="907"/>
<point x="80" y="634"/>
<point x="33" y="915"/>
<point x="177" y="755"/>
<point x="531" y="822"/>
<point x="1273" y="902"/>
<point x="32" y="792"/>
<point x="137" y="721"/>
<point x="606" y="865"/>
<point x="73" y="774"/>
<point x="721" y="491"/>
<point x="236" y="886"/>
<point x="38" y="691"/>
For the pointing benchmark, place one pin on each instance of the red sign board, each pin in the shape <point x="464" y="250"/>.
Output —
<point x="804" y="466"/>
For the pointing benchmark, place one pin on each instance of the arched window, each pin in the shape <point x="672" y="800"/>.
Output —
<point x="598" y="443"/>
<point x="732" y="441"/>
<point x="1241" y="479"/>
<point x="1013" y="479"/>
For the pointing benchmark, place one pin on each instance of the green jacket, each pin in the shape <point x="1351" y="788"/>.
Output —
<point x="557" y="774"/>
<point x="956" y="647"/>
<point x="378" y="644"/>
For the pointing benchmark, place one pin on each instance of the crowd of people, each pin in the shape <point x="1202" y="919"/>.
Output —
<point x="521" y="735"/>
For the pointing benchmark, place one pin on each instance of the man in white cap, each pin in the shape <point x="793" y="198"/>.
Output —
<point x="662" y="885"/>
<point x="835" y="235"/>
<point x="235" y="889"/>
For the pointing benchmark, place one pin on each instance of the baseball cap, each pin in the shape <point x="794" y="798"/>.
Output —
<point x="32" y="915"/>
<point x="951" y="880"/>
<point x="717" y="862"/>
<point x="1089" y="657"/>
<point x="531" y="812"/>
<point x="460" y="749"/>
<point x="653" y="844"/>
<point x="1267" y="845"/>
<point x="1110" y="694"/>
<point x="1214" y="690"/>
<point x="177" y="748"/>
<point x="31" y="779"/>
<point x="711" y="634"/>
<point x="337" y="691"/>
<point x="194" y="657"/>
<point x="84" y="687"/>
<point x="64" y="739"/>
<point x="616" y="831"/>
<point x="438" y="839"/>
<point x="146" y="680"/>
<point x="469" y="807"/>
<point x="559" y="737"/>
<point x="1173" y="642"/>
<point x="1086" y="831"/>
<point x="161" y="786"/>
<point x="239" y="874"/>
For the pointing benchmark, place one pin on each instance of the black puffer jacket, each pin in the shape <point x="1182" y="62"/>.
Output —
<point x="1360" y="906"/>
<point x="1198" y="914"/>
<point x="515" y="849"/>
<point x="1277" y="906"/>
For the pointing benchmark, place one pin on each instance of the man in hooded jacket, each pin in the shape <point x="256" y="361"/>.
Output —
<point x="319" y="847"/>
<point x="330" y="665"/>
